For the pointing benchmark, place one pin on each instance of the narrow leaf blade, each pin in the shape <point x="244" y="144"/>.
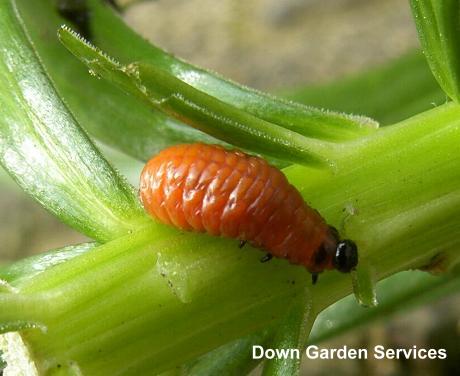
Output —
<point x="45" y="151"/>
<point x="438" y="23"/>
<point x="175" y="98"/>
<point x="292" y="334"/>
<point x="103" y="110"/>
<point x="389" y="93"/>
<point x="111" y="34"/>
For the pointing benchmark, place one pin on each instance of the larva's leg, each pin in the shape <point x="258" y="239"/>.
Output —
<point x="242" y="243"/>
<point x="266" y="258"/>
<point x="314" y="278"/>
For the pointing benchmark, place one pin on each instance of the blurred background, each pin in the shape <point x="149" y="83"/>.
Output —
<point x="271" y="45"/>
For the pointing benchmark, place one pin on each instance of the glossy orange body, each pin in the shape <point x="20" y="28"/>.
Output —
<point x="207" y="188"/>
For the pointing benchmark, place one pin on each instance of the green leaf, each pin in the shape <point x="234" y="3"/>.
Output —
<point x="403" y="291"/>
<point x="364" y="284"/>
<point x="175" y="98"/>
<point x="438" y="25"/>
<point x="132" y="126"/>
<point x="292" y="333"/>
<point x="234" y="358"/>
<point x="388" y="93"/>
<point x="106" y="112"/>
<point x="45" y="151"/>
<point x="28" y="268"/>
<point x="113" y="36"/>
<point x="2" y="363"/>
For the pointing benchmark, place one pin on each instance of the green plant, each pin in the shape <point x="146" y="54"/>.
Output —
<point x="147" y="298"/>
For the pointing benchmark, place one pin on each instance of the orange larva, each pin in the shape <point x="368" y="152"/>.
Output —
<point x="206" y="188"/>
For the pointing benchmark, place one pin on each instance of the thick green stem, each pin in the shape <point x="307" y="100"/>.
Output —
<point x="157" y="298"/>
<point x="396" y="193"/>
<point x="139" y="305"/>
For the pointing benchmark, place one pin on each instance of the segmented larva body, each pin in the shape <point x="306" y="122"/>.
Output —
<point x="206" y="188"/>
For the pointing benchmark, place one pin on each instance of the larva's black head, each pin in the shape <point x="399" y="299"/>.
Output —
<point x="346" y="256"/>
<point x="334" y="253"/>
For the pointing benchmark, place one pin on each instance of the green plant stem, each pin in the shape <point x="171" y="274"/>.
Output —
<point x="152" y="303"/>
<point x="155" y="299"/>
